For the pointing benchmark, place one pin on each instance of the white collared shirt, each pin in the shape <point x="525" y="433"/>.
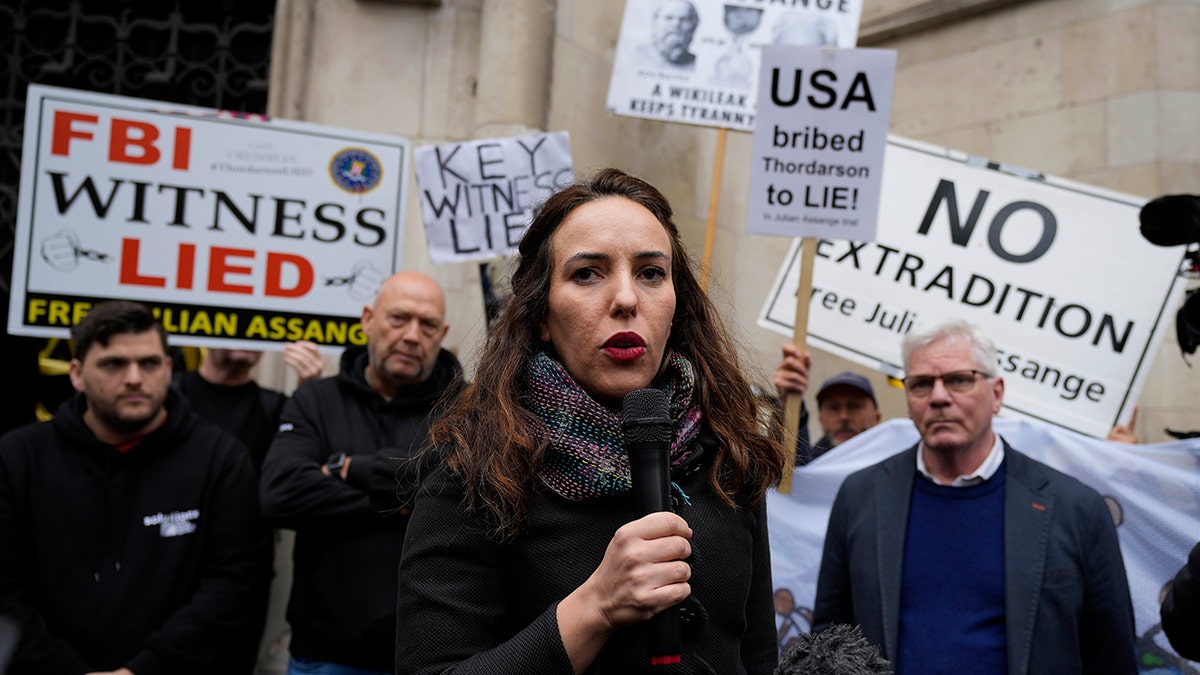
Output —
<point x="986" y="469"/>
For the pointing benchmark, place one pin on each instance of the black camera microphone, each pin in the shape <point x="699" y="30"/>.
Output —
<point x="1171" y="220"/>
<point x="840" y="649"/>
<point x="646" y="424"/>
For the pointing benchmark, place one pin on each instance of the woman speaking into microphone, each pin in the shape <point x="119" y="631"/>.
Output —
<point x="523" y="554"/>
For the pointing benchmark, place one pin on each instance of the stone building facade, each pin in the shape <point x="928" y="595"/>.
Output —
<point x="1104" y="92"/>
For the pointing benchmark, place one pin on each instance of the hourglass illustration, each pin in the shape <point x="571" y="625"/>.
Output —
<point x="734" y="68"/>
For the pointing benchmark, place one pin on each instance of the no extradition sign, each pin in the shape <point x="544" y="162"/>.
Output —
<point x="234" y="231"/>
<point x="1056" y="272"/>
<point x="817" y="161"/>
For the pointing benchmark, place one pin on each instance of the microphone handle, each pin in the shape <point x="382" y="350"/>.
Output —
<point x="651" y="479"/>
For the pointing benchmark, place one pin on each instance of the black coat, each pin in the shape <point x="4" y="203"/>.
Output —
<point x="1181" y="609"/>
<point x="349" y="534"/>
<point x="468" y="604"/>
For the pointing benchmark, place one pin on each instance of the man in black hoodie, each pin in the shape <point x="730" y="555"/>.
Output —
<point x="130" y="535"/>
<point x="340" y="473"/>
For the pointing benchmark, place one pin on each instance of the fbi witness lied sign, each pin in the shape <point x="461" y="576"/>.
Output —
<point x="233" y="230"/>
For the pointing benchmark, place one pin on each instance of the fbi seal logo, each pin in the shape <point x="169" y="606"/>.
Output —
<point x="355" y="170"/>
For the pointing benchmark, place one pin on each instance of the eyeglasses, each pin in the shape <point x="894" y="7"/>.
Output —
<point x="957" y="382"/>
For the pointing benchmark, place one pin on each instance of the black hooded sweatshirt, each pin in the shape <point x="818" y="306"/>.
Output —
<point x="147" y="560"/>
<point x="349" y="534"/>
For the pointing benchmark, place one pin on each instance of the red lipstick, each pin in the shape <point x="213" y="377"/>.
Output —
<point x="626" y="346"/>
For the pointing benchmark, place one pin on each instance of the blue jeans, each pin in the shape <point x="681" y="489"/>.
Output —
<point x="298" y="665"/>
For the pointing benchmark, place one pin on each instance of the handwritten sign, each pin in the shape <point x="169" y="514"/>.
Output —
<point x="477" y="197"/>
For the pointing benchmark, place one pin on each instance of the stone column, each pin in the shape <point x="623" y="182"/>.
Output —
<point x="515" y="59"/>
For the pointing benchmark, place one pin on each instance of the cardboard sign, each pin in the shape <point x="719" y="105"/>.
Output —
<point x="235" y="231"/>
<point x="1055" y="272"/>
<point x="817" y="161"/>
<point x="477" y="197"/>
<point x="697" y="61"/>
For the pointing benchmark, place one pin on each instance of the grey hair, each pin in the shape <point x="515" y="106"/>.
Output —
<point x="952" y="331"/>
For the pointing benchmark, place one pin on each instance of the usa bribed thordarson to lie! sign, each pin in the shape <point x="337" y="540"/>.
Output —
<point x="236" y="231"/>
<point x="1056" y="272"/>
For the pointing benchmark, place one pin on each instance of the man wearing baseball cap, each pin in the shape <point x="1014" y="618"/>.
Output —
<point x="846" y="404"/>
<point x="846" y="407"/>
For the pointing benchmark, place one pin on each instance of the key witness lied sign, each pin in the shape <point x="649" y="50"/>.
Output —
<point x="817" y="162"/>
<point x="477" y="197"/>
<point x="234" y="231"/>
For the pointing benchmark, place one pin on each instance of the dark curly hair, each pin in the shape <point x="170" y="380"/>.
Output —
<point x="485" y="432"/>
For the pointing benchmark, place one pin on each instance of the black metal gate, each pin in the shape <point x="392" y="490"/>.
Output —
<point x="214" y="53"/>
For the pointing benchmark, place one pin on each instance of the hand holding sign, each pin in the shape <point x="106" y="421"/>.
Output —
<point x="305" y="359"/>
<point x="62" y="252"/>
<point x="818" y="150"/>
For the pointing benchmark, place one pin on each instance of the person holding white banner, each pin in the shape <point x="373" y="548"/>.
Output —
<point x="963" y="555"/>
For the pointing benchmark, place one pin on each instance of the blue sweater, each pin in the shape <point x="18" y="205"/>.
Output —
<point x="952" y="588"/>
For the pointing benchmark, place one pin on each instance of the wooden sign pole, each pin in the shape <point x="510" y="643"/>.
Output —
<point x="791" y="408"/>
<point x="714" y="200"/>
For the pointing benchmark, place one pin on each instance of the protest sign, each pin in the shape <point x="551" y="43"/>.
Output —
<point x="235" y="231"/>
<point x="1056" y="272"/>
<point x="817" y="160"/>
<point x="1151" y="491"/>
<point x="697" y="61"/>
<point x="477" y="197"/>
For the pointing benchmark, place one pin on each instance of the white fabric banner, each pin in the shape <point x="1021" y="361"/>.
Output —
<point x="1152" y="490"/>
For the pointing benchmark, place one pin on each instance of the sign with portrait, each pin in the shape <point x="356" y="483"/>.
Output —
<point x="236" y="230"/>
<point x="477" y="197"/>
<point x="817" y="161"/>
<point x="697" y="61"/>
<point x="1057" y="273"/>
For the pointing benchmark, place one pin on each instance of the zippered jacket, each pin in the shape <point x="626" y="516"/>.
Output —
<point x="349" y="534"/>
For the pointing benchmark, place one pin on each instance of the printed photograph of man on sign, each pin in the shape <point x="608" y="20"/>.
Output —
<point x="672" y="27"/>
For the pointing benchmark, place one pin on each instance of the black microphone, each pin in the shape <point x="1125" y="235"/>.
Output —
<point x="646" y="423"/>
<point x="1171" y="220"/>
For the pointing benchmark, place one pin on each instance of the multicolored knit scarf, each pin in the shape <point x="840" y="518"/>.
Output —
<point x="586" y="454"/>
